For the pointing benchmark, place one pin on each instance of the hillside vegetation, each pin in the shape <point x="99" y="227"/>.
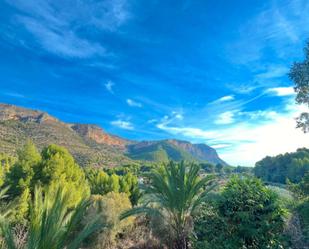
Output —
<point x="284" y="167"/>
<point x="90" y="144"/>
<point x="45" y="197"/>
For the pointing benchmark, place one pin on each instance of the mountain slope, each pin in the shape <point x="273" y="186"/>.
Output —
<point x="175" y="150"/>
<point x="90" y="144"/>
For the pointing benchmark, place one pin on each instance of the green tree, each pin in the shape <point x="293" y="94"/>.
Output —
<point x="299" y="73"/>
<point x="58" y="168"/>
<point x="208" y="167"/>
<point x="283" y="167"/>
<point x="113" y="183"/>
<point x="98" y="181"/>
<point x="246" y="215"/>
<point x="174" y="192"/>
<point x="129" y="185"/>
<point x="53" y="224"/>
<point x="219" y="168"/>
<point x="101" y="183"/>
<point x="21" y="174"/>
<point x="6" y="163"/>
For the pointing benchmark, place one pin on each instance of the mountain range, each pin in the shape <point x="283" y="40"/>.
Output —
<point x="90" y="144"/>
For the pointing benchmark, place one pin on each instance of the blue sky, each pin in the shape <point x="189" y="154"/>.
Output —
<point x="204" y="71"/>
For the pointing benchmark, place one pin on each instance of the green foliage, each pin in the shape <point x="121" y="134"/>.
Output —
<point x="135" y="169"/>
<point x="301" y="191"/>
<point x="242" y="170"/>
<point x="20" y="212"/>
<point x="174" y="192"/>
<point x="208" y="167"/>
<point x="303" y="210"/>
<point x="129" y="185"/>
<point x="5" y="210"/>
<point x="5" y="164"/>
<point x="98" y="181"/>
<point x="300" y="75"/>
<point x="101" y="183"/>
<point x="161" y="151"/>
<point x="279" y="169"/>
<point x="54" y="168"/>
<point x="53" y="224"/>
<point x="245" y="215"/>
<point x="58" y="169"/>
<point x="109" y="207"/>
<point x="21" y="174"/>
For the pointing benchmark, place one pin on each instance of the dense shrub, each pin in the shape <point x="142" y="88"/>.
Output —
<point x="245" y="215"/>
<point x="109" y="207"/>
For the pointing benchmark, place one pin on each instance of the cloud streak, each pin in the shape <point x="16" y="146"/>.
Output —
<point x="262" y="133"/>
<point x="281" y="91"/>
<point x="55" y="25"/>
<point x="126" y="125"/>
<point x="133" y="103"/>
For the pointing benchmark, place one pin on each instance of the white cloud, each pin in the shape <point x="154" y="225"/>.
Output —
<point x="225" y="98"/>
<point x="220" y="146"/>
<point x="15" y="95"/>
<point x="123" y="124"/>
<point x="260" y="114"/>
<point x="190" y="132"/>
<point x="177" y="115"/>
<point x="273" y="71"/>
<point x="250" y="140"/>
<point x="281" y="91"/>
<point x="53" y="23"/>
<point x="62" y="42"/>
<point x="109" y="86"/>
<point x="133" y="103"/>
<point x="225" y="118"/>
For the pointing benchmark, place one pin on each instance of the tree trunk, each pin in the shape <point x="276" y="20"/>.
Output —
<point x="181" y="243"/>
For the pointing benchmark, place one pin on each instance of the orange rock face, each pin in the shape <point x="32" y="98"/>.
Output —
<point x="97" y="134"/>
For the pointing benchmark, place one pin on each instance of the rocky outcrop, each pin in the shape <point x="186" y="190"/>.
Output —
<point x="98" y="135"/>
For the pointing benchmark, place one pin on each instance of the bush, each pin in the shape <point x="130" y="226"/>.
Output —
<point x="246" y="215"/>
<point x="109" y="207"/>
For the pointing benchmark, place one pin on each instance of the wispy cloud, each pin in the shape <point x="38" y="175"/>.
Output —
<point x="265" y="133"/>
<point x="220" y="146"/>
<point x="225" y="98"/>
<point x="278" y="27"/>
<point x="281" y="91"/>
<point x="15" y="95"/>
<point x="55" y="24"/>
<point x="109" y="86"/>
<point x="225" y="118"/>
<point x="62" y="42"/>
<point x="272" y="71"/>
<point x="123" y="124"/>
<point x="134" y="103"/>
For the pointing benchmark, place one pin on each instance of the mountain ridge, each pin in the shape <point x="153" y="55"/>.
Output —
<point x="89" y="143"/>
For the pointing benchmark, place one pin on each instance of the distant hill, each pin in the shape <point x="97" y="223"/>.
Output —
<point x="90" y="144"/>
<point x="176" y="150"/>
<point x="289" y="166"/>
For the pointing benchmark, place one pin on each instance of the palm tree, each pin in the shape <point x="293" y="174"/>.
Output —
<point x="174" y="192"/>
<point x="52" y="224"/>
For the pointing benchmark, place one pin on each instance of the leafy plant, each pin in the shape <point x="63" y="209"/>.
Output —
<point x="174" y="192"/>
<point x="52" y="223"/>
<point x="246" y="214"/>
